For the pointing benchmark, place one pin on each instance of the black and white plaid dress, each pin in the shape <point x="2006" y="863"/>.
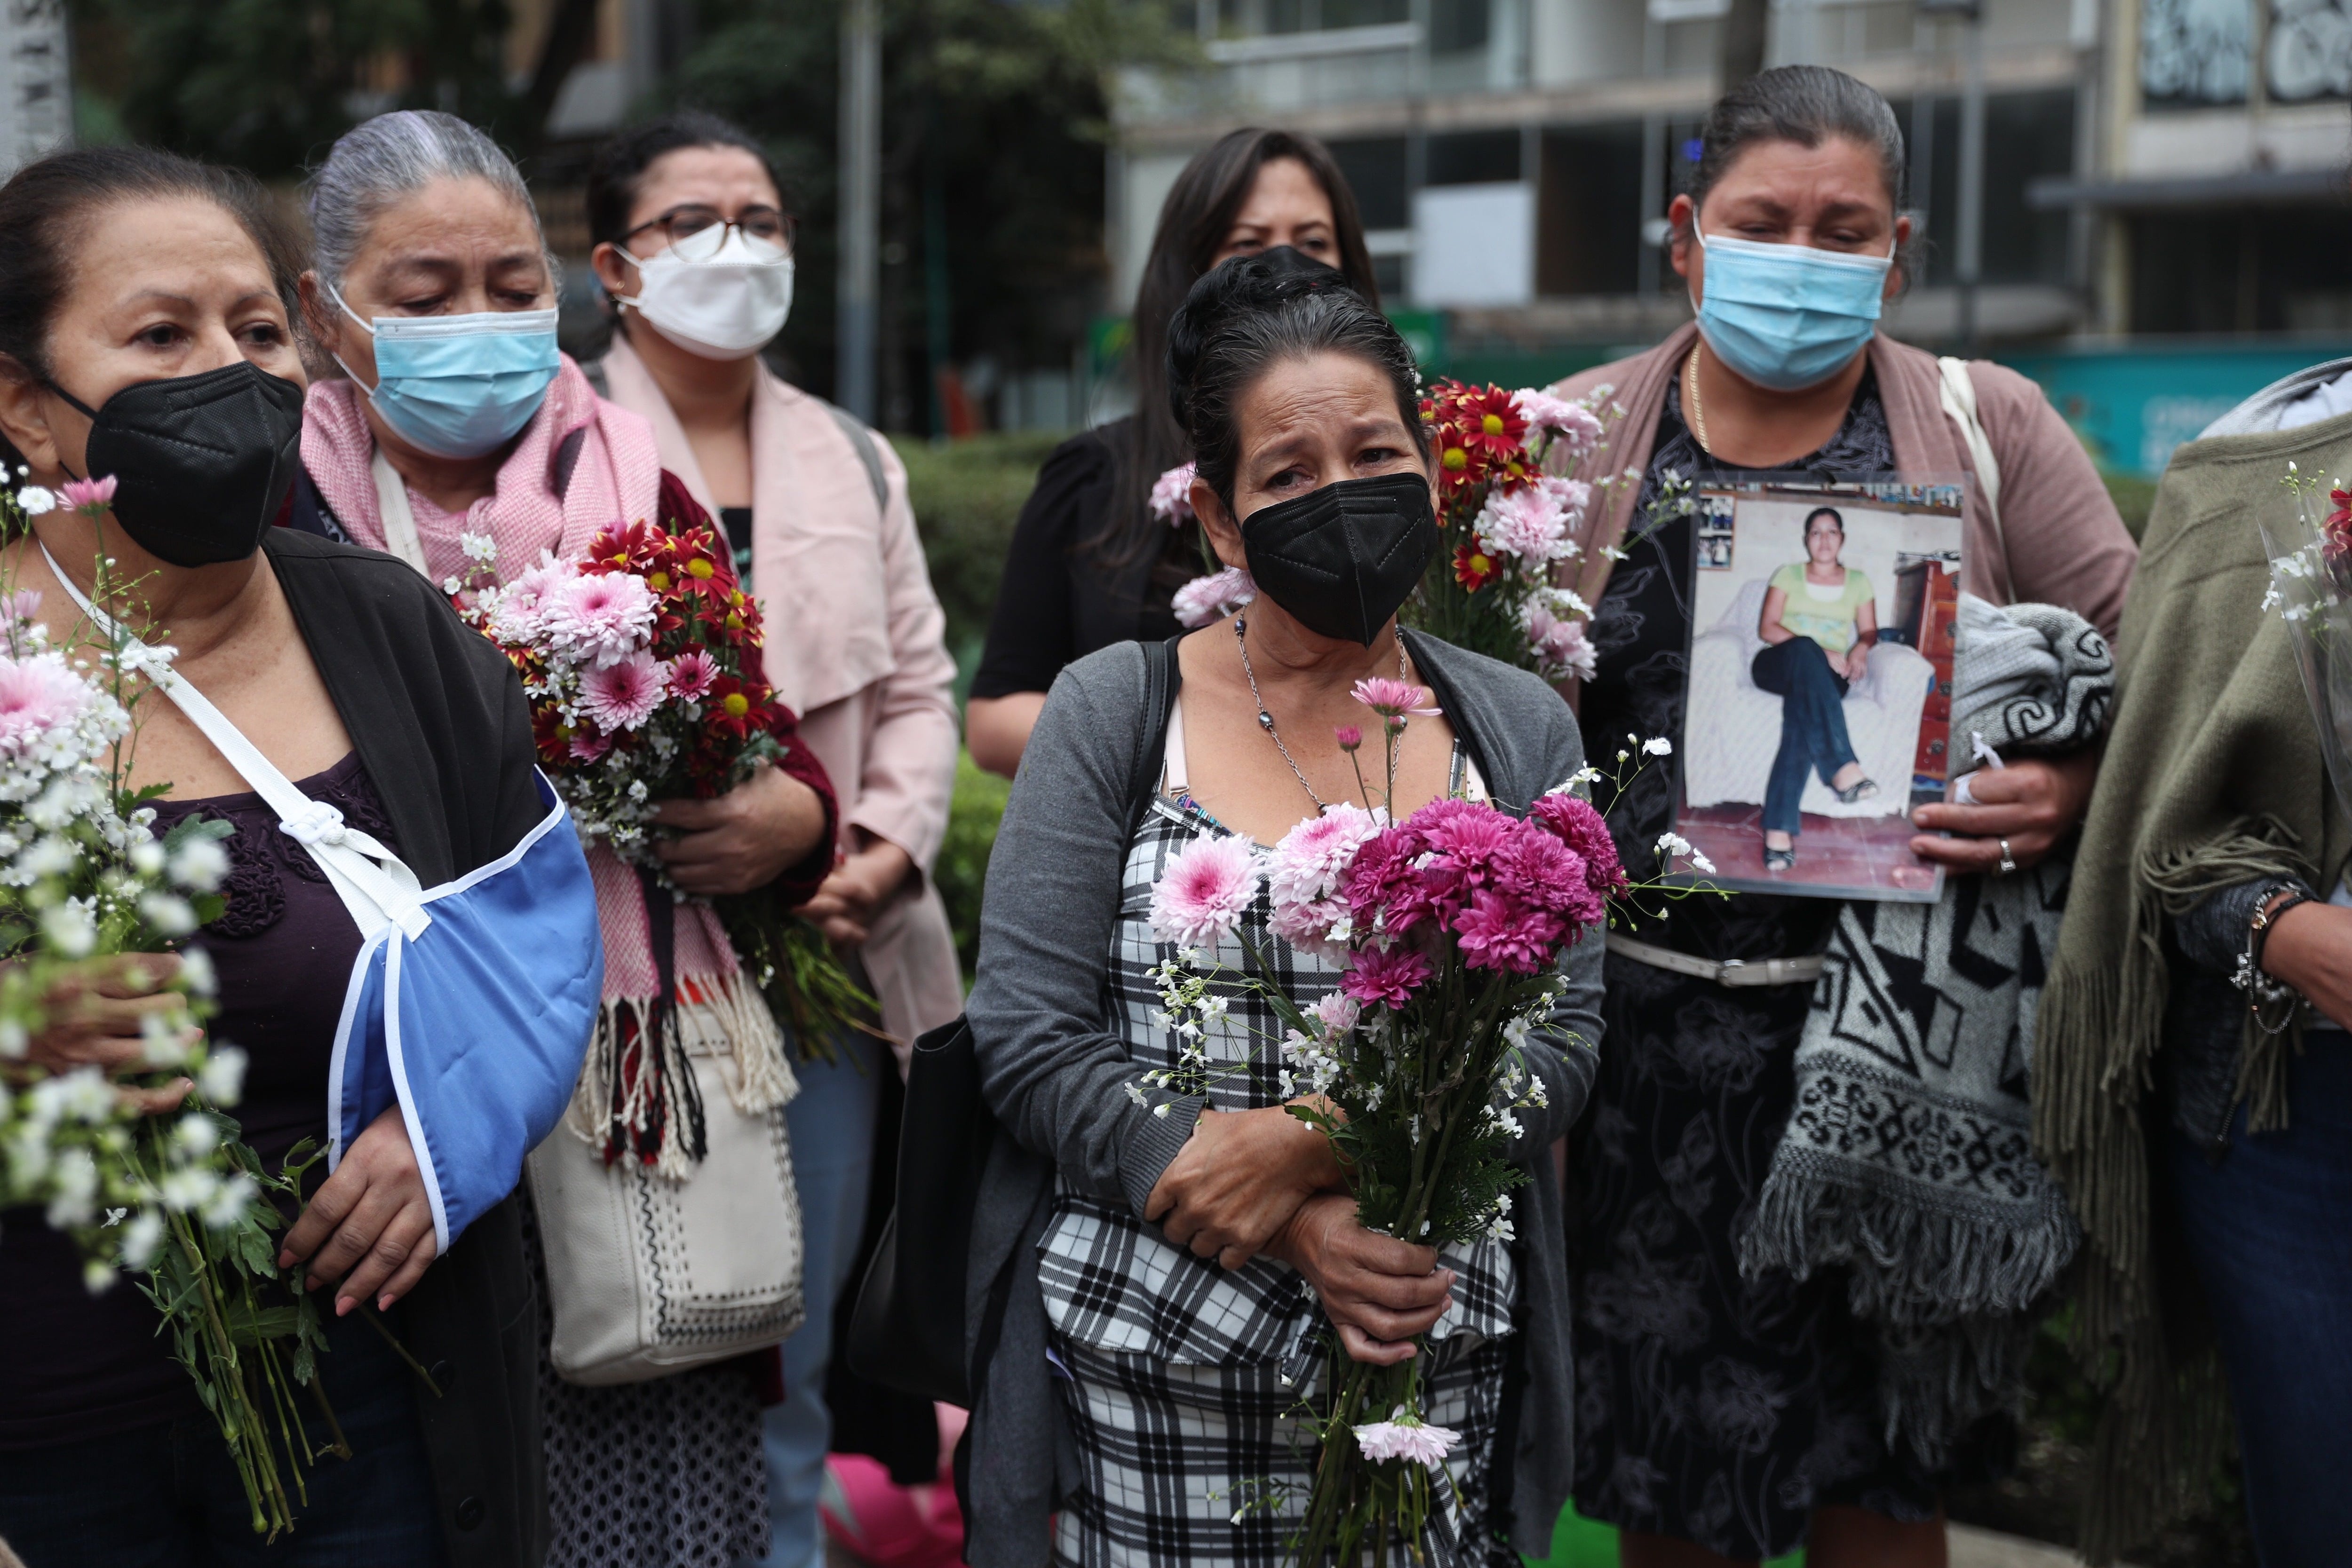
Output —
<point x="1179" y="1378"/>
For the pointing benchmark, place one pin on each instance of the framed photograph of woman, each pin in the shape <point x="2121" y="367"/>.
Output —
<point x="1820" y="678"/>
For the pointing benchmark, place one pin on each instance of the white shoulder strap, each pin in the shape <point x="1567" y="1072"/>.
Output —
<point x="376" y="885"/>
<point x="400" y="536"/>
<point x="1959" y="391"/>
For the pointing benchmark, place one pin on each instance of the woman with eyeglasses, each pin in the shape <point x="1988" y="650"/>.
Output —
<point x="694" y="248"/>
<point x="455" y="420"/>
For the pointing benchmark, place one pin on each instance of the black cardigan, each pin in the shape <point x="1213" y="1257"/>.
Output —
<point x="440" y="722"/>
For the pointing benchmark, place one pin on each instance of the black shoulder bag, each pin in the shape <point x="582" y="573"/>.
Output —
<point x="906" y="1331"/>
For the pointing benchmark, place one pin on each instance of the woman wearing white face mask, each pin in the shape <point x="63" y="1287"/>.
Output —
<point x="1723" y="1417"/>
<point x="456" y="419"/>
<point x="696" y="251"/>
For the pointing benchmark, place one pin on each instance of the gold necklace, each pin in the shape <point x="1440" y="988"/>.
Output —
<point x="1690" y="396"/>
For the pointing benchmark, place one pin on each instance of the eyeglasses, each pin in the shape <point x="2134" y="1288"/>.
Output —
<point x="708" y="227"/>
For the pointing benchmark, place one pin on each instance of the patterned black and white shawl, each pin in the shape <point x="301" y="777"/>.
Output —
<point x="1908" y="1157"/>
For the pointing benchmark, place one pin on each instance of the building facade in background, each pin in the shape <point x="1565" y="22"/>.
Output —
<point x="2161" y="177"/>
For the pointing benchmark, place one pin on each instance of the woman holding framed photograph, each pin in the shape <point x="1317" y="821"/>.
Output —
<point x="1723" y="1415"/>
<point x="1820" y="621"/>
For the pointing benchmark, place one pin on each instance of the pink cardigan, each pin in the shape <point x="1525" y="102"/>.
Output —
<point x="857" y="646"/>
<point x="2059" y="541"/>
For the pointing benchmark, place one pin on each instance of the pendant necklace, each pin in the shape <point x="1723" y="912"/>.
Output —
<point x="1265" y="719"/>
<point x="1690" y="396"/>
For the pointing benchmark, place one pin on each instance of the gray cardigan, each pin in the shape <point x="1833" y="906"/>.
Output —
<point x="1055" y="1076"/>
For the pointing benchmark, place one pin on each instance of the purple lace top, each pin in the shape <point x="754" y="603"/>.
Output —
<point x="283" y="948"/>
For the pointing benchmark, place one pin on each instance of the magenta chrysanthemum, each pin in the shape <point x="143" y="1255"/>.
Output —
<point x="1498" y="932"/>
<point x="1583" y="830"/>
<point x="623" y="695"/>
<point x="1203" y="891"/>
<point x="690" y="674"/>
<point x="1386" y="979"/>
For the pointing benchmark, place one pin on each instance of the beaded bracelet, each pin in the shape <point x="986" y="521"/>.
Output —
<point x="2262" y="990"/>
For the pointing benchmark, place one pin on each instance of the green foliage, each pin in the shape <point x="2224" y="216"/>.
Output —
<point x="2133" y="496"/>
<point x="967" y="495"/>
<point x="994" y="115"/>
<point x="961" y="869"/>
<point x="267" y="84"/>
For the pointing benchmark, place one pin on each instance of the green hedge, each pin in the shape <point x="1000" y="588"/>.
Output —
<point x="967" y="496"/>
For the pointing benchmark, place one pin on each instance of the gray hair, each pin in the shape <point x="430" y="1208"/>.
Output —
<point x="379" y="160"/>
<point x="1807" y="105"/>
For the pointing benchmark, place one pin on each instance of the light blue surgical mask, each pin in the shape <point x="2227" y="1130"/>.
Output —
<point x="1787" y="316"/>
<point x="459" y="386"/>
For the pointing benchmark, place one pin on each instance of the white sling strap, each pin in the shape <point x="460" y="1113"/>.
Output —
<point x="375" y="884"/>
<point x="400" y="536"/>
<point x="1959" y="400"/>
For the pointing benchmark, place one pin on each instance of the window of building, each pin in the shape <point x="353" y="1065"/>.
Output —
<point x="2254" y="270"/>
<point x="1365" y="13"/>
<point x="1375" y="169"/>
<point x="2027" y="135"/>
<point x="2195" y="53"/>
<point x="1459" y="26"/>
<point x="1474" y="157"/>
<point x="2308" y="53"/>
<point x="1588" y="210"/>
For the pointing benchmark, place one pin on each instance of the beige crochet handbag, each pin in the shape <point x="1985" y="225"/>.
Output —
<point x="650" y="1274"/>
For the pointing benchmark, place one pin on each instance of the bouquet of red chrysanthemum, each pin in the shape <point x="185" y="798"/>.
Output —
<point x="641" y="664"/>
<point x="1512" y="521"/>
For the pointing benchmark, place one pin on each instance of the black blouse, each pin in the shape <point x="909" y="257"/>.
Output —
<point x="1059" y="600"/>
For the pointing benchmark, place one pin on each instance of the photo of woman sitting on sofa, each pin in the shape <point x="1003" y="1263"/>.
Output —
<point x="1818" y="625"/>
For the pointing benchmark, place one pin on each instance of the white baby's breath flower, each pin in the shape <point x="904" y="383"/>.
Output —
<point x="141" y="1238"/>
<point x="479" y="548"/>
<point x="147" y="857"/>
<point x="190" y="1188"/>
<point x="162" y="1043"/>
<point x="168" y="914"/>
<point x="73" y="1192"/>
<point x="201" y="865"/>
<point x="1657" y="746"/>
<point x="221" y="1081"/>
<point x="36" y="501"/>
<point x="196" y="971"/>
<point x="70" y="930"/>
<point x="229" y="1201"/>
<point x="197" y="1135"/>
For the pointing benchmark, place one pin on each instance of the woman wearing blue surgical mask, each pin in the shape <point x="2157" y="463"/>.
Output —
<point x="1723" y="1414"/>
<point x="694" y="248"/>
<point x="457" y="438"/>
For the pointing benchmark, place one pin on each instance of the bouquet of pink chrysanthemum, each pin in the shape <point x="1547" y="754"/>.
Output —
<point x="1450" y="926"/>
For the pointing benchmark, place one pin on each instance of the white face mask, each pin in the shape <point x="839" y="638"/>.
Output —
<point x="720" y="293"/>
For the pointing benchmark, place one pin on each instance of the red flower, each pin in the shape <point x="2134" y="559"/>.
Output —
<point x="1491" y="425"/>
<point x="1473" y="567"/>
<point x="2336" y="535"/>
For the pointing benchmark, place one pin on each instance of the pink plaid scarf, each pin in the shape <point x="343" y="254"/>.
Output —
<point x="615" y="478"/>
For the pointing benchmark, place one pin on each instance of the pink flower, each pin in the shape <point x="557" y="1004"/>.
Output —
<point x="1498" y="932"/>
<point x="1537" y="870"/>
<point x="590" y="748"/>
<point x="1561" y="645"/>
<point x="1213" y="598"/>
<point x="1572" y="496"/>
<point x="603" y="618"/>
<point x="1387" y="978"/>
<point x="1572" y="423"/>
<point x="1407" y="1439"/>
<point x="1527" y="523"/>
<point x="1383" y="882"/>
<point x="1350" y="737"/>
<point x="1337" y="1012"/>
<point x="625" y="694"/>
<point x="1307" y="925"/>
<point x="24" y="605"/>
<point x="1393" y="699"/>
<point x="1582" y="829"/>
<point x="1205" y="890"/>
<point x="1171" y="496"/>
<point x="88" y="497"/>
<point x="690" y="674"/>
<point x="1314" y="856"/>
<point x="37" y="696"/>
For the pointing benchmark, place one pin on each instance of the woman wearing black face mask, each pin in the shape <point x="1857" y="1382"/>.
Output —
<point x="1187" y="1241"/>
<point x="145" y="334"/>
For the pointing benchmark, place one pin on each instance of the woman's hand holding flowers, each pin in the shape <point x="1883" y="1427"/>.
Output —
<point x="1378" y="1292"/>
<point x="100" y="1016"/>
<point x="2032" y="803"/>
<point x="370" y="1224"/>
<point x="745" y="838"/>
<point x="1239" y="1179"/>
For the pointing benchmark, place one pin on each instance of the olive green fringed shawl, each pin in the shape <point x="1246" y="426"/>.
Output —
<point x="2212" y="775"/>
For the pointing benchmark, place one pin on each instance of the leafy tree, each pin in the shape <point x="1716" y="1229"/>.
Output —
<point x="996" y="118"/>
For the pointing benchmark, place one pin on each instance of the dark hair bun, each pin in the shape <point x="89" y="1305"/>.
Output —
<point x="1241" y="287"/>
